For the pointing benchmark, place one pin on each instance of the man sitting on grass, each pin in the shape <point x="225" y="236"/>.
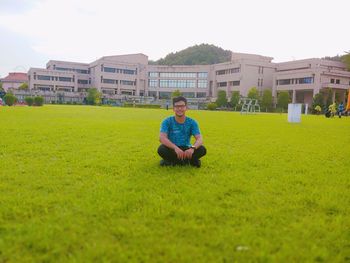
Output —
<point x="175" y="135"/>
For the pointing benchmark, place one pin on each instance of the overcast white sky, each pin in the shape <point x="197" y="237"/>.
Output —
<point x="35" y="31"/>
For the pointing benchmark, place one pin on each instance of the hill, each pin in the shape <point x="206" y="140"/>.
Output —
<point x="202" y="54"/>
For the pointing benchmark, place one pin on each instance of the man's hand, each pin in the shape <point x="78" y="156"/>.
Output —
<point x="180" y="153"/>
<point x="188" y="153"/>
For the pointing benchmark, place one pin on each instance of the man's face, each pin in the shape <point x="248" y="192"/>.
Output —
<point x="180" y="108"/>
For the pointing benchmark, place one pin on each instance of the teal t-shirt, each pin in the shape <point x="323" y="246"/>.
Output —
<point x="180" y="133"/>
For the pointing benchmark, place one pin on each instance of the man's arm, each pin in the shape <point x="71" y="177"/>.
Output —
<point x="163" y="138"/>
<point x="199" y="141"/>
<point x="197" y="144"/>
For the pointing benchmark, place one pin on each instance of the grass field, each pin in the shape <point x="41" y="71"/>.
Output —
<point x="83" y="184"/>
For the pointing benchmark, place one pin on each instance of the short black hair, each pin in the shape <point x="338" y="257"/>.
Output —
<point x="180" y="98"/>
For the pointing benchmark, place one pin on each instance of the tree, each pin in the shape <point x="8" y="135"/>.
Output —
<point x="1" y="88"/>
<point x="234" y="99"/>
<point x="346" y="60"/>
<point x="10" y="99"/>
<point x="202" y="54"/>
<point x="329" y="95"/>
<point x="222" y="99"/>
<point x="318" y="100"/>
<point x="176" y="93"/>
<point x="283" y="99"/>
<point x="24" y="86"/>
<point x="266" y="100"/>
<point x="253" y="93"/>
<point x="94" y="96"/>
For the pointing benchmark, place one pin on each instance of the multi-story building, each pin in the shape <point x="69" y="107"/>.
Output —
<point x="243" y="72"/>
<point x="305" y="78"/>
<point x="14" y="80"/>
<point x="131" y="76"/>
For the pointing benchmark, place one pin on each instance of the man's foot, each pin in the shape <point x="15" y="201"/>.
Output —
<point x="196" y="163"/>
<point x="165" y="163"/>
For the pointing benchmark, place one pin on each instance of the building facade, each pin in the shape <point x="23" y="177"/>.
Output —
<point x="303" y="79"/>
<point x="14" y="80"/>
<point x="130" y="76"/>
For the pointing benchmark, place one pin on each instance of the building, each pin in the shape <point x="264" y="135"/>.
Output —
<point x="130" y="77"/>
<point x="13" y="80"/>
<point x="303" y="79"/>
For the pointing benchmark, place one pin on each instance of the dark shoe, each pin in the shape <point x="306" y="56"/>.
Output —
<point x="196" y="163"/>
<point x="165" y="163"/>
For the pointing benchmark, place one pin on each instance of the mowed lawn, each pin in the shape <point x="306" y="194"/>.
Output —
<point x="83" y="184"/>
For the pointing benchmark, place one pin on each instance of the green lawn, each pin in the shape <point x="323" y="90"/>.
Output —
<point x="83" y="184"/>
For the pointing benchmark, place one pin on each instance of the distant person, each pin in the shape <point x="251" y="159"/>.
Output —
<point x="340" y="109"/>
<point x="175" y="135"/>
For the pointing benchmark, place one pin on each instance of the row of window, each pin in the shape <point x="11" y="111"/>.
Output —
<point x="116" y="82"/>
<point x="230" y="83"/>
<point x="118" y="70"/>
<point x="336" y="81"/>
<point x="171" y="83"/>
<point x="64" y="79"/>
<point x="201" y="75"/>
<point x="81" y="71"/>
<point x="306" y="80"/>
<point x="45" y="77"/>
<point x="228" y="71"/>
<point x="167" y="95"/>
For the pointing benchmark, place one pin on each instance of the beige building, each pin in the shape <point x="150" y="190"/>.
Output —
<point x="243" y="72"/>
<point x="130" y="76"/>
<point x="303" y="79"/>
<point x="13" y="80"/>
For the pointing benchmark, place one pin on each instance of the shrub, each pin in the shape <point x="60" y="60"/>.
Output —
<point x="212" y="106"/>
<point x="38" y="101"/>
<point x="29" y="101"/>
<point x="149" y="106"/>
<point x="10" y="99"/>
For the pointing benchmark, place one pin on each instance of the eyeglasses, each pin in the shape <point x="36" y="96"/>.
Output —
<point x="179" y="106"/>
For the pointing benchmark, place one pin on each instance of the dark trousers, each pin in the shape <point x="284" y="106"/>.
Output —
<point x="170" y="155"/>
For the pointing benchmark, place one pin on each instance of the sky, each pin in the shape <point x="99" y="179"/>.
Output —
<point x="32" y="32"/>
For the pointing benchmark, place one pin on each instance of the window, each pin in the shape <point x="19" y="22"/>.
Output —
<point x="222" y="84"/>
<point x="127" y="82"/>
<point x="109" y="81"/>
<point x="283" y="81"/>
<point x="337" y="81"/>
<point x="307" y="80"/>
<point x="203" y="75"/>
<point x="177" y="75"/>
<point x="201" y="94"/>
<point x="65" y="79"/>
<point x="107" y="69"/>
<point x="82" y="81"/>
<point x="164" y="95"/>
<point x="202" y="84"/>
<point x="153" y="74"/>
<point x="220" y="72"/>
<point x="176" y="83"/>
<point x="42" y="77"/>
<point x="129" y="71"/>
<point x="235" y="83"/>
<point x="332" y="80"/>
<point x="153" y="83"/>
